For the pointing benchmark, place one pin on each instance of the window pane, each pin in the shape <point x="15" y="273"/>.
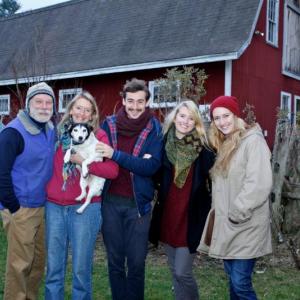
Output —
<point x="3" y="105"/>
<point x="298" y="105"/>
<point x="285" y="103"/>
<point x="271" y="32"/>
<point x="67" y="98"/>
<point x="272" y="17"/>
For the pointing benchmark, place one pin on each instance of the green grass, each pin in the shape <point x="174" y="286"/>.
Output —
<point x="274" y="284"/>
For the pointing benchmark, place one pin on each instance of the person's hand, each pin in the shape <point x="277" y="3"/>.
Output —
<point x="104" y="150"/>
<point x="76" y="159"/>
<point x="16" y="212"/>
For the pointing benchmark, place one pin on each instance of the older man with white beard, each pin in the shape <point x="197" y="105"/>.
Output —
<point x="26" y="156"/>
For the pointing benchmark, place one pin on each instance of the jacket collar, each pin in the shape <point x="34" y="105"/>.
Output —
<point x="30" y="126"/>
<point x="256" y="129"/>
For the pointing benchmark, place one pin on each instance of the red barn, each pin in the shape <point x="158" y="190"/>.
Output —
<point x="250" y="49"/>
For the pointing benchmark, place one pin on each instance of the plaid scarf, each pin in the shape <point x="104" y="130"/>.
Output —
<point x="131" y="127"/>
<point x="140" y="140"/>
<point x="182" y="153"/>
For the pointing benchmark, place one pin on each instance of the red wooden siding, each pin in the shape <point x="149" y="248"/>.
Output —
<point x="257" y="77"/>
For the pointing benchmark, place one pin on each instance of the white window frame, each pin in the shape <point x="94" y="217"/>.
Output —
<point x="272" y="22"/>
<point x="289" y="7"/>
<point x="296" y="105"/>
<point x="289" y="106"/>
<point x="153" y="87"/>
<point x="66" y="92"/>
<point x="7" y="98"/>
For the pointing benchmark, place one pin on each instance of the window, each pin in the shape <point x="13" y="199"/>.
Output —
<point x="204" y="111"/>
<point x="272" y="22"/>
<point x="4" y="104"/>
<point x="162" y="95"/>
<point x="285" y="103"/>
<point x="65" y="96"/>
<point x="296" y="109"/>
<point x="291" y="45"/>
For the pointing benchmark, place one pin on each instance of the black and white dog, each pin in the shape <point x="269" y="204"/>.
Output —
<point x="83" y="142"/>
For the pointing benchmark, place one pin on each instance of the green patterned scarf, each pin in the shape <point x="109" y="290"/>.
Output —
<point x="182" y="153"/>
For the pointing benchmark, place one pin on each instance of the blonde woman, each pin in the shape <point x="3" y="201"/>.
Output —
<point x="184" y="198"/>
<point x="64" y="225"/>
<point x="242" y="180"/>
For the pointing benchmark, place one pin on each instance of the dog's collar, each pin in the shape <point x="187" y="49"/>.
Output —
<point x="77" y="143"/>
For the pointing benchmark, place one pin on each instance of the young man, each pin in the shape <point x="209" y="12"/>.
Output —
<point x="26" y="154"/>
<point x="137" y="145"/>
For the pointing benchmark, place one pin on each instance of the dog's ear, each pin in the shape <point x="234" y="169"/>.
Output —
<point x="90" y="127"/>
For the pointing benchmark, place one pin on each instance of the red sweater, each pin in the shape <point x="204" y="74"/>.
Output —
<point x="122" y="185"/>
<point x="174" y="220"/>
<point x="106" y="169"/>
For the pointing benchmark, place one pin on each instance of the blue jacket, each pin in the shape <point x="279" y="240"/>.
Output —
<point x="31" y="169"/>
<point x="142" y="169"/>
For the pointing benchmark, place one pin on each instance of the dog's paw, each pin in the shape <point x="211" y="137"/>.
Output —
<point x="67" y="156"/>
<point x="80" y="210"/>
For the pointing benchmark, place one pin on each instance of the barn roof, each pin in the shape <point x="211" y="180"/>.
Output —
<point x="88" y="37"/>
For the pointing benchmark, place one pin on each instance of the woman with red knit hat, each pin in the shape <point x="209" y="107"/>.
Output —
<point x="237" y="229"/>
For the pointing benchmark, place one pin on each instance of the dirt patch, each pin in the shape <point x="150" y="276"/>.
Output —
<point x="281" y="256"/>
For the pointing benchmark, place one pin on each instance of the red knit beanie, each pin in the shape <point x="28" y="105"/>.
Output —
<point x="228" y="102"/>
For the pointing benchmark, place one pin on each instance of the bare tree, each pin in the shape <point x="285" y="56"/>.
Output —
<point x="30" y="65"/>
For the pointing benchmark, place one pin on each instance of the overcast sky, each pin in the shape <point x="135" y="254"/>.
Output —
<point x="33" y="4"/>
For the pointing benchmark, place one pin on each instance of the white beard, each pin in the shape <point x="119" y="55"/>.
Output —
<point x="41" y="115"/>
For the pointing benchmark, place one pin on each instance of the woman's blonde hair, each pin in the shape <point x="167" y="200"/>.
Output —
<point x="94" y="122"/>
<point x="194" y="110"/>
<point x="225" y="146"/>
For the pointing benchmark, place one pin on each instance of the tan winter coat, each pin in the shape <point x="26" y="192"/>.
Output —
<point x="243" y="198"/>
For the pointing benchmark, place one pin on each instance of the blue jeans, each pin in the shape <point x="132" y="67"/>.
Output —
<point x="63" y="227"/>
<point x="239" y="273"/>
<point x="126" y="241"/>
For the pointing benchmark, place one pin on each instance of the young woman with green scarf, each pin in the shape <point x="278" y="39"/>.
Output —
<point x="184" y="197"/>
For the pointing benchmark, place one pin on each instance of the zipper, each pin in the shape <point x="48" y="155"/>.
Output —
<point x="131" y="176"/>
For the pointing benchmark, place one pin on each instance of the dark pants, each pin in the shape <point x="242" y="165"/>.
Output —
<point x="126" y="240"/>
<point x="239" y="273"/>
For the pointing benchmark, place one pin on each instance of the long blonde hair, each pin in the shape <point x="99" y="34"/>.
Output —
<point x="192" y="107"/>
<point x="94" y="122"/>
<point x="226" y="146"/>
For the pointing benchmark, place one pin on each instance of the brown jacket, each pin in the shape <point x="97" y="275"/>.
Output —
<point x="242" y="197"/>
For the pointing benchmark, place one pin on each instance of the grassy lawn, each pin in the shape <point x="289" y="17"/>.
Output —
<point x="275" y="283"/>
